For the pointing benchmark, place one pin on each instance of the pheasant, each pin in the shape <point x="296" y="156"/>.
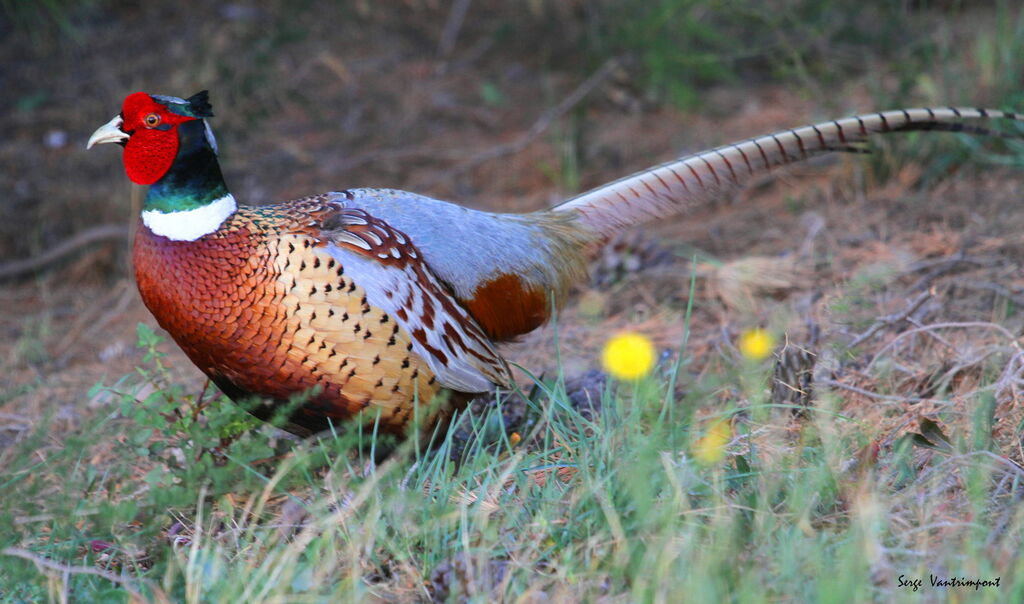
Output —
<point x="365" y="303"/>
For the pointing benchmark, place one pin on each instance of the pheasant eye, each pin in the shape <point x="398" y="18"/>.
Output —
<point x="151" y="121"/>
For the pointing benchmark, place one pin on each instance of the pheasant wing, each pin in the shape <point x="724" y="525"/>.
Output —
<point x="389" y="267"/>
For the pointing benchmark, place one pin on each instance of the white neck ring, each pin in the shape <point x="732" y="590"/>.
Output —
<point x="189" y="225"/>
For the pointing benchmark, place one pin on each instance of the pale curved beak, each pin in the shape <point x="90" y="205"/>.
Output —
<point x="108" y="133"/>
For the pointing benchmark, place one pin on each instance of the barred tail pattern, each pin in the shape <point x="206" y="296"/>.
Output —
<point x="679" y="185"/>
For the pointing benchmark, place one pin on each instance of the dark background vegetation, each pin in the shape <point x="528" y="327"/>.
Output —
<point x="513" y="106"/>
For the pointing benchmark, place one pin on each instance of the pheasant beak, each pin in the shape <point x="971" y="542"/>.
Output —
<point x="108" y="133"/>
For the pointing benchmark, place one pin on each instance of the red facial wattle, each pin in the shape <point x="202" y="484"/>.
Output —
<point x="150" y="151"/>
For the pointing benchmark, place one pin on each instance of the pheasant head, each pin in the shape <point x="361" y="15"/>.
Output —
<point x="150" y="129"/>
<point x="168" y="145"/>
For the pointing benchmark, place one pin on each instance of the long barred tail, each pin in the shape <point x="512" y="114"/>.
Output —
<point x="681" y="184"/>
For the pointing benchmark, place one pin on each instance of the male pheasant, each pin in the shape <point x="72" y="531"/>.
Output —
<point x="368" y="302"/>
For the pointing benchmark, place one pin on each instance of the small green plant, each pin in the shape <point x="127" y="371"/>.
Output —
<point x="190" y="437"/>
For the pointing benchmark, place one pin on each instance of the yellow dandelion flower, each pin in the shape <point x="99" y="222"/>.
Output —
<point x="628" y="356"/>
<point x="756" y="344"/>
<point x="710" y="449"/>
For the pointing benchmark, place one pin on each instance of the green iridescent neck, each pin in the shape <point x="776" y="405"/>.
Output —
<point x="194" y="179"/>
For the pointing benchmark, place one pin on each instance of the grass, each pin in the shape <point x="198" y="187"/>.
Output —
<point x="622" y="504"/>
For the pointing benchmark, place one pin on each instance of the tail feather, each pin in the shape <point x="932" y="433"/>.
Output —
<point x="679" y="185"/>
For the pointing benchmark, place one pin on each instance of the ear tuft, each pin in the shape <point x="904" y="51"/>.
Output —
<point x="199" y="104"/>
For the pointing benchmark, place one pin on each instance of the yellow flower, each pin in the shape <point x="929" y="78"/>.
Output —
<point x="756" y="344"/>
<point x="710" y="448"/>
<point x="628" y="356"/>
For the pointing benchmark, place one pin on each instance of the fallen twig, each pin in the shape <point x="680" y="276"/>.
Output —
<point x="881" y="322"/>
<point x="114" y="306"/>
<point x="452" y="26"/>
<point x="876" y="395"/>
<point x="937" y="268"/>
<point x="543" y="123"/>
<point x="471" y="160"/>
<point x="998" y="289"/>
<point x="1010" y="379"/>
<point x="67" y="569"/>
<point x="87" y="237"/>
<point x="934" y="326"/>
